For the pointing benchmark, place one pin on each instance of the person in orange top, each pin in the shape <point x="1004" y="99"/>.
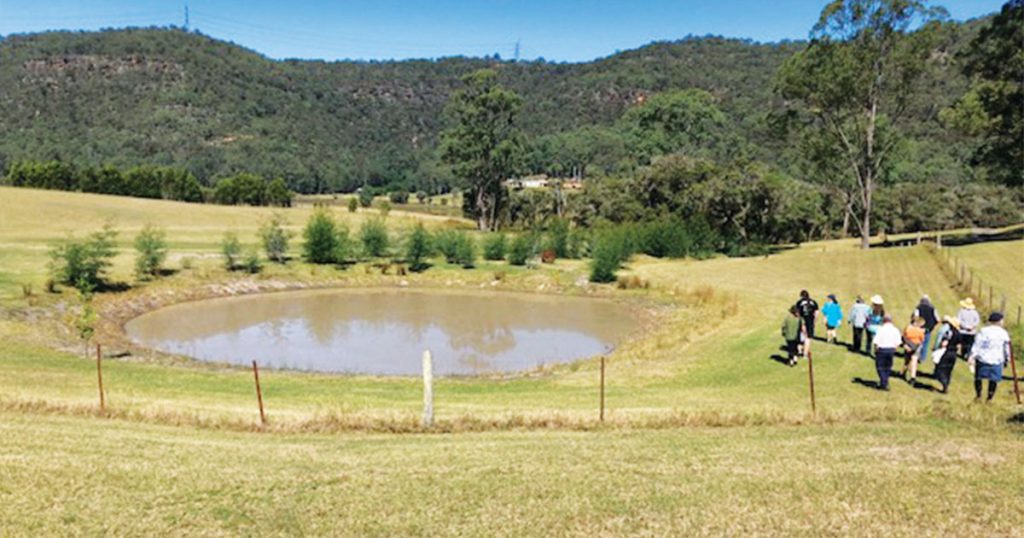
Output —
<point x="913" y="337"/>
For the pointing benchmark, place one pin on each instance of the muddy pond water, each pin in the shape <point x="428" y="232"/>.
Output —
<point x="384" y="332"/>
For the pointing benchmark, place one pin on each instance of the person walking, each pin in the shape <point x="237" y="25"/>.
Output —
<point x="990" y="352"/>
<point x="887" y="339"/>
<point x="948" y="340"/>
<point x="926" y="311"/>
<point x="875" y="320"/>
<point x="913" y="338"/>
<point x="969" y="321"/>
<point x="833" y="317"/>
<point x="859" y="314"/>
<point x="808" y="311"/>
<point x="792" y="330"/>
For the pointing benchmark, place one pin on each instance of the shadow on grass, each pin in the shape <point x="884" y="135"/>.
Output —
<point x="1016" y="419"/>
<point x="867" y="383"/>
<point x="780" y="359"/>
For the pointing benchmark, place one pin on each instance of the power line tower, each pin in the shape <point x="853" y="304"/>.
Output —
<point x="517" y="50"/>
<point x="186" y="16"/>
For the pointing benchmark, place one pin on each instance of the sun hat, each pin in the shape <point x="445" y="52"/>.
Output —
<point x="995" y="317"/>
<point x="967" y="303"/>
<point x="953" y="322"/>
<point x="877" y="299"/>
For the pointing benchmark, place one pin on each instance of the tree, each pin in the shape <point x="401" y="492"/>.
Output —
<point x="151" y="248"/>
<point x="855" y="80"/>
<point x="321" y="240"/>
<point x="673" y="121"/>
<point x="374" y="236"/>
<point x="278" y="194"/>
<point x="483" y="145"/>
<point x="84" y="263"/>
<point x="417" y="248"/>
<point x="275" y="238"/>
<point x="993" y="107"/>
<point x="353" y="204"/>
<point x="231" y="249"/>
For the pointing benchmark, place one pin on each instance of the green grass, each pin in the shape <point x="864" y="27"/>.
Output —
<point x="86" y="476"/>
<point x="997" y="264"/>
<point x="706" y="433"/>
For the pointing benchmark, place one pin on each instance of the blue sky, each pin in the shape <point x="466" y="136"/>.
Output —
<point x="569" y="30"/>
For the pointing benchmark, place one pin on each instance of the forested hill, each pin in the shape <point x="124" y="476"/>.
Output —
<point x="165" y="96"/>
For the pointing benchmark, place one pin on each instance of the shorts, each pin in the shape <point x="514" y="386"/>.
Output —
<point x="831" y="327"/>
<point x="991" y="372"/>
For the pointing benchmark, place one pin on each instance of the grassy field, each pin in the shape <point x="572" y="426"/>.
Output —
<point x="707" y="432"/>
<point x="997" y="264"/>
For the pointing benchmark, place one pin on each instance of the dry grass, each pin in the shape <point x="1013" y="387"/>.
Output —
<point x="70" y="475"/>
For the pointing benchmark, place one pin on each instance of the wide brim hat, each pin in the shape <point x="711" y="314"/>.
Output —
<point x="955" y="323"/>
<point x="967" y="303"/>
<point x="877" y="299"/>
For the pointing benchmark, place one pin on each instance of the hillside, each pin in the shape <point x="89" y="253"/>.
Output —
<point x="165" y="96"/>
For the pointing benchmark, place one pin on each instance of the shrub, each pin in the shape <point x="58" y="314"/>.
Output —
<point x="342" y="244"/>
<point x="84" y="263"/>
<point x="422" y="197"/>
<point x="353" y="204"/>
<point x="365" y="197"/>
<point x="417" y="248"/>
<point x="558" y="238"/>
<point x="611" y="248"/>
<point x="399" y="197"/>
<point x="231" y="249"/>
<point x="151" y="248"/>
<point x="521" y="249"/>
<point x="278" y="194"/>
<point x="665" y="238"/>
<point x="447" y="243"/>
<point x="374" y="236"/>
<point x="384" y="207"/>
<point x="495" y="246"/>
<point x="275" y="238"/>
<point x="252" y="262"/>
<point x="465" y="250"/>
<point x="321" y="240"/>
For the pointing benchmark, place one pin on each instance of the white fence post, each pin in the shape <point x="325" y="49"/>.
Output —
<point x="428" y="390"/>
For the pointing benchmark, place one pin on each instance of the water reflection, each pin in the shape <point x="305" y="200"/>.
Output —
<point x="384" y="331"/>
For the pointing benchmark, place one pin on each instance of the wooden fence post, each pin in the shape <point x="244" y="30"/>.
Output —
<point x="99" y="376"/>
<point x="259" y="393"/>
<point x="1013" y="370"/>
<point x="1002" y="305"/>
<point x="810" y="377"/>
<point x="602" y="388"/>
<point x="991" y="302"/>
<point x="428" y="390"/>
<point x="1018" y="314"/>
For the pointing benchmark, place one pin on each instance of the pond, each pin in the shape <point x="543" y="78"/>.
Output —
<point x="384" y="332"/>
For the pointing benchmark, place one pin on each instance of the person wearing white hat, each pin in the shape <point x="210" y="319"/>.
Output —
<point x="946" y="352"/>
<point x="969" y="321"/>
<point x="875" y="319"/>
<point x="886" y="341"/>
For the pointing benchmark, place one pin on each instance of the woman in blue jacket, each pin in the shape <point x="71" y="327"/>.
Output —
<point x="833" y="317"/>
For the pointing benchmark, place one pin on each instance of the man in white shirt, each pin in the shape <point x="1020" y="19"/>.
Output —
<point x="991" y="350"/>
<point x="887" y="339"/>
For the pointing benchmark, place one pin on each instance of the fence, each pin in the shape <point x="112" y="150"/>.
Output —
<point x="966" y="280"/>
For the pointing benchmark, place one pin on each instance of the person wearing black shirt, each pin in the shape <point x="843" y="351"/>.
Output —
<point x="808" y="309"/>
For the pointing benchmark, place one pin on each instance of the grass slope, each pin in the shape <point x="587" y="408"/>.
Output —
<point x="80" y="476"/>
<point x="176" y="454"/>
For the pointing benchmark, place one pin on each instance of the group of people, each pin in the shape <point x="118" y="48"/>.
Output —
<point x="986" y="348"/>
